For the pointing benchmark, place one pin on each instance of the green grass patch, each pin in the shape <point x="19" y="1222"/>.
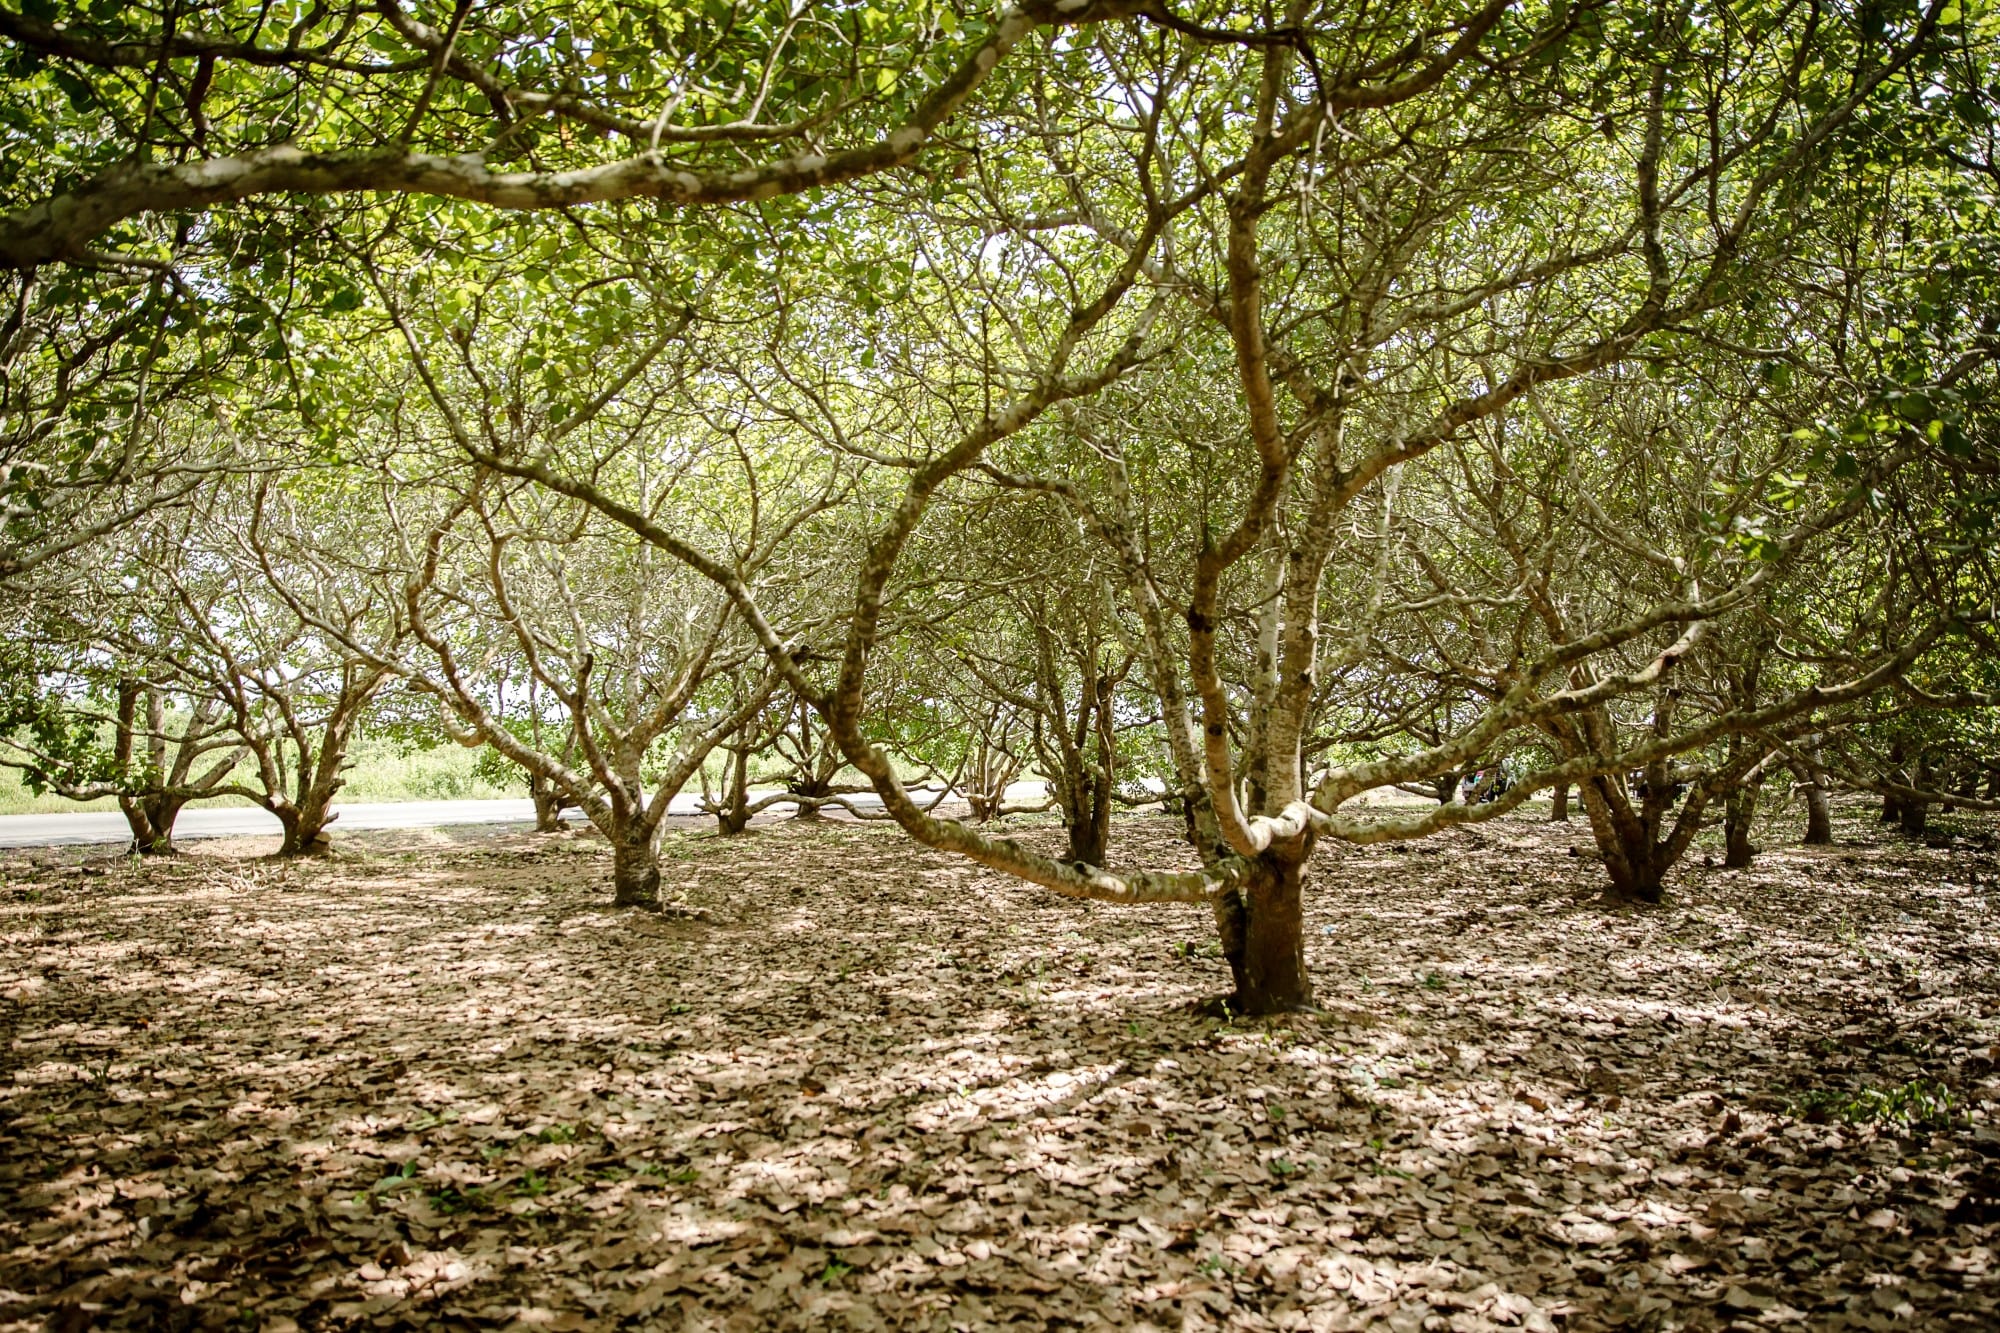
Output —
<point x="1920" y="1102"/>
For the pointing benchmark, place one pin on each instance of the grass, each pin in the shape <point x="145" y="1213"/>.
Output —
<point x="1916" y="1103"/>
<point x="382" y="771"/>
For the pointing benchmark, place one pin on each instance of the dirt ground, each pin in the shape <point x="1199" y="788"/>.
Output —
<point x="437" y="1082"/>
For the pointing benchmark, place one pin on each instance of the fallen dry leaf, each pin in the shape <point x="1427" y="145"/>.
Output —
<point x="438" y="1082"/>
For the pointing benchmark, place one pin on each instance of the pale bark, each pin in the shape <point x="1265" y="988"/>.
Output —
<point x="60" y="226"/>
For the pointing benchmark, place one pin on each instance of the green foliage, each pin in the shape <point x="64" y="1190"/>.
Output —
<point x="1918" y="1104"/>
<point x="69" y="748"/>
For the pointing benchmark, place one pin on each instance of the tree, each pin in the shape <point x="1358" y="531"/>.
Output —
<point x="511" y="107"/>
<point x="1440" y="302"/>
<point x="282" y="641"/>
<point x="165" y="750"/>
<point x="627" y="652"/>
<point x="1034" y="627"/>
<point x="1325" y="334"/>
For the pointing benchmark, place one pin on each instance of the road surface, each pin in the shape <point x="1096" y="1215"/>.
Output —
<point x="247" y="821"/>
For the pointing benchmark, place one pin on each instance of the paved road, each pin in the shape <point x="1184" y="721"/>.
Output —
<point x="240" y="821"/>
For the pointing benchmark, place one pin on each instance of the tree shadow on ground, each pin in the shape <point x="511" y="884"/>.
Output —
<point x="439" y="1081"/>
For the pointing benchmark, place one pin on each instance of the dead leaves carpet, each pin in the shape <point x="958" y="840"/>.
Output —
<point x="436" y="1082"/>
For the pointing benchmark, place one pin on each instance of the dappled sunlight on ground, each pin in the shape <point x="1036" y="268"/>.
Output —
<point x="437" y="1080"/>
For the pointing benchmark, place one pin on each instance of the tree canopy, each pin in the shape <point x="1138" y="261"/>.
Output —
<point x="1256" y="411"/>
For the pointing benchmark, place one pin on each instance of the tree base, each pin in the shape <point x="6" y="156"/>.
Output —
<point x="1234" y="1005"/>
<point x="1617" y="897"/>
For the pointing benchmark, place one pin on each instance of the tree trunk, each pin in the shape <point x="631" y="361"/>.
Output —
<point x="320" y="780"/>
<point x="732" y="813"/>
<point x="1559" y="805"/>
<point x="305" y="828"/>
<point x="1819" y="815"/>
<point x="1446" y="786"/>
<point x="151" y="819"/>
<point x="1638" y="878"/>
<point x="1086" y="812"/>
<point x="1089" y="836"/>
<point x="1634" y="858"/>
<point x="1892" y="805"/>
<point x="1913" y="816"/>
<point x="548" y="804"/>
<point x="1738" y="811"/>
<point x="635" y="870"/>
<point x="813" y="789"/>
<point x="1262" y="922"/>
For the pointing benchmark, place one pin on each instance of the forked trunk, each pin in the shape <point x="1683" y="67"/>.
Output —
<point x="635" y="870"/>
<point x="1086" y="815"/>
<point x="1635" y="858"/>
<point x="548" y="804"/>
<point x="1892" y="804"/>
<point x="815" y="791"/>
<point x="1089" y="836"/>
<point x="1638" y="878"/>
<point x="151" y="819"/>
<point x="732" y="812"/>
<point x="1559" y="805"/>
<point x="305" y="828"/>
<point x="1262" y="922"/>
<point x="306" y="819"/>
<point x="1916" y="814"/>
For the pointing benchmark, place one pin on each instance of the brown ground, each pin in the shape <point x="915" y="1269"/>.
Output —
<point x="438" y="1082"/>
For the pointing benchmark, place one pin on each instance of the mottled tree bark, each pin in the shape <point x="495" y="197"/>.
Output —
<point x="1262" y="923"/>
<point x="635" y="870"/>
<point x="151" y="819"/>
<point x="305" y="828"/>
<point x="1635" y="857"/>
<point x="1914" y="815"/>
<point x="1819" y="809"/>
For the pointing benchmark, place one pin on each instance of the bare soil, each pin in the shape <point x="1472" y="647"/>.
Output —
<point x="435" y="1081"/>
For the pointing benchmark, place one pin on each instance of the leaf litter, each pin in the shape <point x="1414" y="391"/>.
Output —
<point x="849" y="1083"/>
